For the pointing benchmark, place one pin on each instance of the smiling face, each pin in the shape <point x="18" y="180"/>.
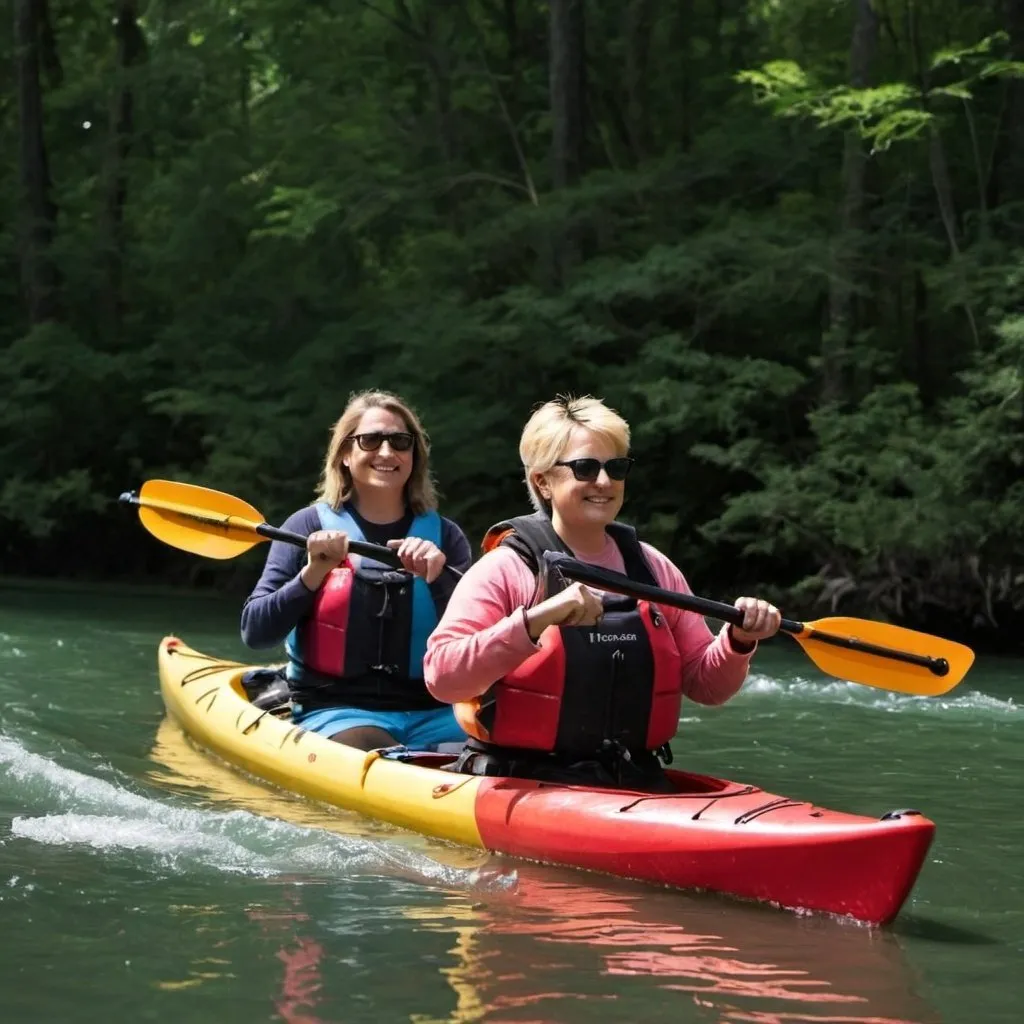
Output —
<point x="580" y="506"/>
<point x="384" y="468"/>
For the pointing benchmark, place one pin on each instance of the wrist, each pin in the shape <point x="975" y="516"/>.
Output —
<point x="739" y="645"/>
<point x="312" y="579"/>
<point x="534" y="623"/>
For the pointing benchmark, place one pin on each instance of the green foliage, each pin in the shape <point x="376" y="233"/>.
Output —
<point x="895" y="111"/>
<point x="320" y="198"/>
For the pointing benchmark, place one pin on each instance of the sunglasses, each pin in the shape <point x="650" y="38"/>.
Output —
<point x="590" y="469"/>
<point x="399" y="442"/>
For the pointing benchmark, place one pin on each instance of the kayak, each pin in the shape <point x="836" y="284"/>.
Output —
<point x="712" y="834"/>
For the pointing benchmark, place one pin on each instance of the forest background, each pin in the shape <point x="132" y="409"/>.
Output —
<point x="783" y="238"/>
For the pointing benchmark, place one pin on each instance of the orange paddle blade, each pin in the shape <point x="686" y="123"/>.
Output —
<point x="198" y="519"/>
<point x="825" y="643"/>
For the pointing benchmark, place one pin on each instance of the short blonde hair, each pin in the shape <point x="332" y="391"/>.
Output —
<point x="336" y="486"/>
<point x="546" y="435"/>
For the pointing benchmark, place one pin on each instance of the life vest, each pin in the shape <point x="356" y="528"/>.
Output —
<point x="367" y="620"/>
<point x="588" y="688"/>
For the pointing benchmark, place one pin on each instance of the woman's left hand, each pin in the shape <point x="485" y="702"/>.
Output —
<point x="419" y="556"/>
<point x="760" y="620"/>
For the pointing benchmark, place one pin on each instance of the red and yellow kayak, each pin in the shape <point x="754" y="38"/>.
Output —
<point x="712" y="834"/>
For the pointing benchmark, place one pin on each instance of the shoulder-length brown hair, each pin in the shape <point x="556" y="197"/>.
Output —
<point x="335" y="485"/>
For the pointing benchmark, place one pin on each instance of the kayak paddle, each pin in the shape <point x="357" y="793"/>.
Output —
<point x="856" y="650"/>
<point x="218" y="525"/>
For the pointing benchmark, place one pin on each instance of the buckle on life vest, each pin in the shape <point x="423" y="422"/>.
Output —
<point x="616" y="747"/>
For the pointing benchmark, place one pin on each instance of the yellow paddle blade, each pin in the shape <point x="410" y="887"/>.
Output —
<point x="824" y="643"/>
<point x="198" y="519"/>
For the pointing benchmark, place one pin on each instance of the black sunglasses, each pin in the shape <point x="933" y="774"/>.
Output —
<point x="399" y="442"/>
<point x="590" y="469"/>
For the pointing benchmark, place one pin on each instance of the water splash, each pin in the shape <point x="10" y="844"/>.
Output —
<point x="838" y="692"/>
<point x="82" y="810"/>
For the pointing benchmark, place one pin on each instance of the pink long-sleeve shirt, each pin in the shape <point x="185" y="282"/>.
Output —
<point x="482" y="635"/>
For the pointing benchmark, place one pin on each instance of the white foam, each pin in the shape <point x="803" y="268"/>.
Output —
<point x="108" y="832"/>
<point x="82" y="810"/>
<point x="839" y="692"/>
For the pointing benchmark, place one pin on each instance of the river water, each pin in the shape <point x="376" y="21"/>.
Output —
<point x="141" y="880"/>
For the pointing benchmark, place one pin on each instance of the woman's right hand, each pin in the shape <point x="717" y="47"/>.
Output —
<point x="325" y="550"/>
<point x="575" y="606"/>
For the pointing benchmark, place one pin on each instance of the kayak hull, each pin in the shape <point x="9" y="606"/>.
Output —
<point x="713" y="834"/>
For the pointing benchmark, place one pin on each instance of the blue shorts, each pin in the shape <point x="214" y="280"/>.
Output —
<point x="417" y="730"/>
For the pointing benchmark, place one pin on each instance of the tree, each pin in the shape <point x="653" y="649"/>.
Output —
<point x="33" y="42"/>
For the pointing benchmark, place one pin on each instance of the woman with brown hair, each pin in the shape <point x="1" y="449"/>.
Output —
<point x="356" y="631"/>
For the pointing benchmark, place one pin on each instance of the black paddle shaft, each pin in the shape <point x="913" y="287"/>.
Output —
<point x="616" y="583"/>
<point x="360" y="547"/>
<point x="219" y="519"/>
<point x="377" y="552"/>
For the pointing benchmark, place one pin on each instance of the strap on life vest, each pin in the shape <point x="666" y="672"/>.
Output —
<point x="533" y="535"/>
<point x="426" y="526"/>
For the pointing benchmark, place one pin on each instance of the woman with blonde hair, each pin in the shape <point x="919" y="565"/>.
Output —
<point x="559" y="682"/>
<point x="355" y="631"/>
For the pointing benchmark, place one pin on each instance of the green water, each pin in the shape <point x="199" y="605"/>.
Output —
<point x="141" y="881"/>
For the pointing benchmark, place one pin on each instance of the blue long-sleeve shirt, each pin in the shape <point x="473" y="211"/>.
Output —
<point x="280" y="600"/>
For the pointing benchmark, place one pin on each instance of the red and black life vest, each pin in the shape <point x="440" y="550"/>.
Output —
<point x="588" y="687"/>
<point x="364" y="639"/>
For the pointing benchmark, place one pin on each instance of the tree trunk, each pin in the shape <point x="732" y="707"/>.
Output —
<point x="511" y="33"/>
<point x="847" y="244"/>
<point x="244" y="87"/>
<point x="921" y="336"/>
<point x="939" y="167"/>
<point x="1015" y="178"/>
<point x="947" y="211"/>
<point x="682" y="43"/>
<point x="131" y="48"/>
<point x="48" y="47"/>
<point x="567" y="77"/>
<point x="717" y="18"/>
<point x="515" y="59"/>
<point x="1006" y="180"/>
<point x="37" y="211"/>
<point x="437" y="54"/>
<point x="639" y="22"/>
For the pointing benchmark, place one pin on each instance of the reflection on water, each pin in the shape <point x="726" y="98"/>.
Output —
<point x="559" y="946"/>
<point x="559" y="951"/>
<point x="300" y="956"/>
<point x="733" y="962"/>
